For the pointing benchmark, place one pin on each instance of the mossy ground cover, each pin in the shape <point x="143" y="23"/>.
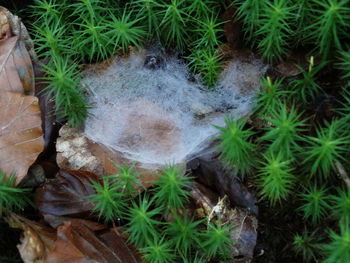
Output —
<point x="294" y="149"/>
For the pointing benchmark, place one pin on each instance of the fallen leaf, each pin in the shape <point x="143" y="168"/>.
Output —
<point x="16" y="70"/>
<point x="21" y="138"/>
<point x="232" y="28"/>
<point x="210" y="172"/>
<point x="78" y="243"/>
<point x="66" y="194"/>
<point x="36" y="241"/>
<point x="5" y="29"/>
<point x="244" y="224"/>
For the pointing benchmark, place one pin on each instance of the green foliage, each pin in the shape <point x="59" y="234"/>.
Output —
<point x="208" y="63"/>
<point x="184" y="233"/>
<point x="315" y="203"/>
<point x="201" y="8"/>
<point x="174" y="23"/>
<point x="171" y="188"/>
<point x="209" y="31"/>
<point x="51" y="39"/>
<point x="306" y="246"/>
<point x="235" y="147"/>
<point x="330" y="25"/>
<point x="142" y="228"/>
<point x="159" y="252"/>
<point x="341" y="205"/>
<point x="146" y="12"/>
<point x="128" y="178"/>
<point x="325" y="149"/>
<point x="338" y="250"/>
<point x="270" y="95"/>
<point x="91" y="40"/>
<point x="109" y="200"/>
<point x="344" y="65"/>
<point x="274" y="29"/>
<point x="283" y="133"/>
<point x="216" y="241"/>
<point x="307" y="88"/>
<point x="62" y="79"/>
<point x="47" y="9"/>
<point x="124" y="31"/>
<point x="275" y="178"/>
<point x="11" y="197"/>
<point x="249" y="12"/>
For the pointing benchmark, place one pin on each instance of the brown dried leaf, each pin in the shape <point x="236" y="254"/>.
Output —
<point x="21" y="138"/>
<point x="244" y="230"/>
<point x="5" y="29"/>
<point x="66" y="195"/>
<point x="37" y="239"/>
<point x="78" y="243"/>
<point x="16" y="70"/>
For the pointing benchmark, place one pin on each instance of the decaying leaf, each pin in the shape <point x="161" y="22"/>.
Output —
<point x="37" y="240"/>
<point x="21" y="138"/>
<point x="210" y="172"/>
<point x="66" y="194"/>
<point x="244" y="230"/>
<point x="16" y="70"/>
<point x="77" y="243"/>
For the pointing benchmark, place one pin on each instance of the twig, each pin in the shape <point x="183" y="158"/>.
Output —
<point x="343" y="174"/>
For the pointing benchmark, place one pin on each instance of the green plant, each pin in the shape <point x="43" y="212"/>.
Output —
<point x="306" y="245"/>
<point x="338" y="250"/>
<point x="217" y="240"/>
<point x="159" y="251"/>
<point x="341" y="205"/>
<point x="48" y="9"/>
<point x="270" y="95"/>
<point x="209" y="31"/>
<point x="124" y="31"/>
<point x="50" y="39"/>
<point x="128" y="178"/>
<point x="325" y="149"/>
<point x="91" y="39"/>
<point x="174" y="23"/>
<point x="249" y="12"/>
<point x="207" y="63"/>
<point x="330" y="25"/>
<point x="147" y="12"/>
<point x="235" y="147"/>
<point x="344" y="64"/>
<point x="142" y="228"/>
<point x="307" y="88"/>
<point x="109" y="201"/>
<point x="274" y="29"/>
<point x="201" y="8"/>
<point x="62" y="79"/>
<point x="316" y="203"/>
<point x="275" y="178"/>
<point x="283" y="131"/>
<point x="184" y="233"/>
<point x="171" y="188"/>
<point x="12" y="197"/>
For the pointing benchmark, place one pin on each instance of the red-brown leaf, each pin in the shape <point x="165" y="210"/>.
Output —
<point x="66" y="195"/>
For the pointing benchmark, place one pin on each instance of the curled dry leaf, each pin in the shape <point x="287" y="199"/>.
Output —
<point x="77" y="243"/>
<point x="16" y="69"/>
<point x="36" y="241"/>
<point x="66" y="194"/>
<point x="210" y="172"/>
<point x="21" y="138"/>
